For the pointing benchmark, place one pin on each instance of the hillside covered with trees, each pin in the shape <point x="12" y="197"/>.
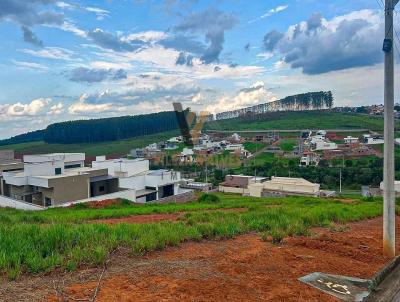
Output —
<point x="99" y="130"/>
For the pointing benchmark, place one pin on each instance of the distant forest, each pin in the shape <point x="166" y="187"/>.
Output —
<point x="110" y="129"/>
<point x="33" y="136"/>
<point x="99" y="130"/>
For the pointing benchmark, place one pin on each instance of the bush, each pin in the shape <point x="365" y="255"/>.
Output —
<point x="208" y="198"/>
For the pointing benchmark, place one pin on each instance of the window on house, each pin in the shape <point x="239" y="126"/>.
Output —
<point x="71" y="166"/>
<point x="101" y="188"/>
<point x="47" y="202"/>
<point x="57" y="171"/>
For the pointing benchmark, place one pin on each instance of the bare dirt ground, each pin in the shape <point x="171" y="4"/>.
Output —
<point x="240" y="269"/>
<point x="154" y="218"/>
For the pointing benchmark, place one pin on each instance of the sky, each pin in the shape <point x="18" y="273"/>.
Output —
<point x="70" y="60"/>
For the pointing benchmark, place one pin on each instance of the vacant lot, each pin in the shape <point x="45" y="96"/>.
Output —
<point x="245" y="268"/>
<point x="69" y="242"/>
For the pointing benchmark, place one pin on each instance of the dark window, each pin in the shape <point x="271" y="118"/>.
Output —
<point x="72" y="166"/>
<point x="47" y="202"/>
<point x="101" y="188"/>
<point x="57" y="171"/>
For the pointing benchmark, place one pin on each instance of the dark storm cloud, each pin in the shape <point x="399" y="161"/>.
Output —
<point x="317" y="48"/>
<point x="30" y="37"/>
<point x="109" y="41"/>
<point x="184" y="43"/>
<point x="271" y="39"/>
<point x="28" y="14"/>
<point x="212" y="24"/>
<point x="184" y="59"/>
<point x="82" y="74"/>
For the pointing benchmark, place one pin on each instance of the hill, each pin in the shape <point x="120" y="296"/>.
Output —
<point x="276" y="120"/>
<point x="321" y="119"/>
<point x="118" y="148"/>
<point x="100" y="130"/>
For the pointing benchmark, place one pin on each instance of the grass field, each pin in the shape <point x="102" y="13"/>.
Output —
<point x="104" y="148"/>
<point x="288" y="144"/>
<point x="304" y="120"/>
<point x="37" y="242"/>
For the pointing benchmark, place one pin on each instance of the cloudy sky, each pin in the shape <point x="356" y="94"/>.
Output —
<point x="64" y="60"/>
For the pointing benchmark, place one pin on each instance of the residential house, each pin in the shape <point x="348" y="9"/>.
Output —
<point x="373" y="139"/>
<point x="351" y="140"/>
<point x="238" y="183"/>
<point x="57" y="178"/>
<point x="135" y="174"/>
<point x="186" y="156"/>
<point x="309" y="158"/>
<point x="280" y="186"/>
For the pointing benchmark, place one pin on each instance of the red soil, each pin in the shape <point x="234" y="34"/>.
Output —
<point x="153" y="218"/>
<point x="242" y="269"/>
<point x="99" y="204"/>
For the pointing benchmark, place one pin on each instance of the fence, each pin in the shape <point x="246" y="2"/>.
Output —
<point x="127" y="194"/>
<point x="6" y="202"/>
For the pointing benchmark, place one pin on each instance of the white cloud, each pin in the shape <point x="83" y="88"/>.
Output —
<point x="255" y="94"/>
<point x="64" y="5"/>
<point x="56" y="109"/>
<point x="30" y="65"/>
<point x="147" y="36"/>
<point x="275" y="10"/>
<point x="100" y="13"/>
<point x="35" y="107"/>
<point x="55" y="53"/>
<point x="271" y="12"/>
<point x="265" y="55"/>
<point x="83" y="108"/>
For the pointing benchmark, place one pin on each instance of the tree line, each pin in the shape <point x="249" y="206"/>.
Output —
<point x="110" y="129"/>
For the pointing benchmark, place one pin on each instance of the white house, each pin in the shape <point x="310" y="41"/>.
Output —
<point x="309" y="158"/>
<point x="350" y="140"/>
<point x="55" y="179"/>
<point x="186" y="156"/>
<point x="234" y="147"/>
<point x="284" y="185"/>
<point x="323" y="145"/>
<point x="134" y="174"/>
<point x="373" y="139"/>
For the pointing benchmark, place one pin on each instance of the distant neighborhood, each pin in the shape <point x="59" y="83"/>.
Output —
<point x="61" y="179"/>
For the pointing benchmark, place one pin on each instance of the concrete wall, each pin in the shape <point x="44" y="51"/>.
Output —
<point x="183" y="197"/>
<point x="43" y="168"/>
<point x="17" y="204"/>
<point x="233" y="190"/>
<point x="128" y="167"/>
<point x="67" y="189"/>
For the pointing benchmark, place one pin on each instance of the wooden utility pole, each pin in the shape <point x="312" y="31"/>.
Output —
<point x="389" y="215"/>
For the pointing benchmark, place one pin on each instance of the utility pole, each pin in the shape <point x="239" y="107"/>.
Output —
<point x="389" y="222"/>
<point x="255" y="169"/>
<point x="340" y="181"/>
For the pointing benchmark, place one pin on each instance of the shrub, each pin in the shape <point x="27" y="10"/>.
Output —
<point x="208" y="198"/>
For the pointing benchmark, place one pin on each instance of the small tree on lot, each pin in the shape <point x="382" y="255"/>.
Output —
<point x="208" y="198"/>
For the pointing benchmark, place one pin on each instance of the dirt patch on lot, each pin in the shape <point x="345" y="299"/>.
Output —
<point x="154" y="218"/>
<point x="241" y="269"/>
<point x="151" y="218"/>
<point x="345" y="200"/>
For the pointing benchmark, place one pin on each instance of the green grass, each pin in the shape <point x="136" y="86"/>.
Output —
<point x="303" y="120"/>
<point x="253" y="146"/>
<point x="288" y="144"/>
<point x="32" y="243"/>
<point x="103" y="148"/>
